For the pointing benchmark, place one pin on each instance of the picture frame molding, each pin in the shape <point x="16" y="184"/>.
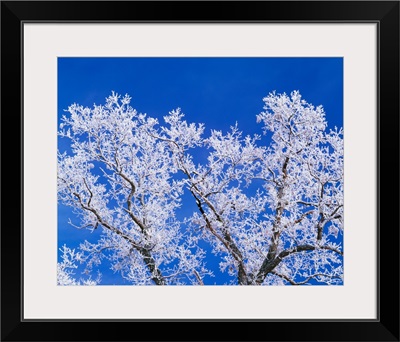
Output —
<point x="14" y="14"/>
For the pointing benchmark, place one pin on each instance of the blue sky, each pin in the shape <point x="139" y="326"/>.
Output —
<point x="215" y="91"/>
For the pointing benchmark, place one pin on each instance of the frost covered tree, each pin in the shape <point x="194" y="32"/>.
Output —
<point x="119" y="179"/>
<point x="269" y="207"/>
<point x="65" y="269"/>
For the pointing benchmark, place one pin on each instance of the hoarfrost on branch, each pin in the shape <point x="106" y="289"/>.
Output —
<point x="271" y="215"/>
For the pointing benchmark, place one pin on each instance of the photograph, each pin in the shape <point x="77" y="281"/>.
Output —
<point x="197" y="163"/>
<point x="202" y="171"/>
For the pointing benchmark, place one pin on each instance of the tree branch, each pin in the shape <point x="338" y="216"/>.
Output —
<point x="276" y="231"/>
<point x="197" y="275"/>
<point x="145" y="252"/>
<point x="268" y="265"/>
<point x="292" y="282"/>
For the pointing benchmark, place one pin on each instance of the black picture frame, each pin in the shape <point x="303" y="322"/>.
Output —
<point x="15" y="328"/>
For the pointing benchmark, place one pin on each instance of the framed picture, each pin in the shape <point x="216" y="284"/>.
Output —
<point x="200" y="162"/>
